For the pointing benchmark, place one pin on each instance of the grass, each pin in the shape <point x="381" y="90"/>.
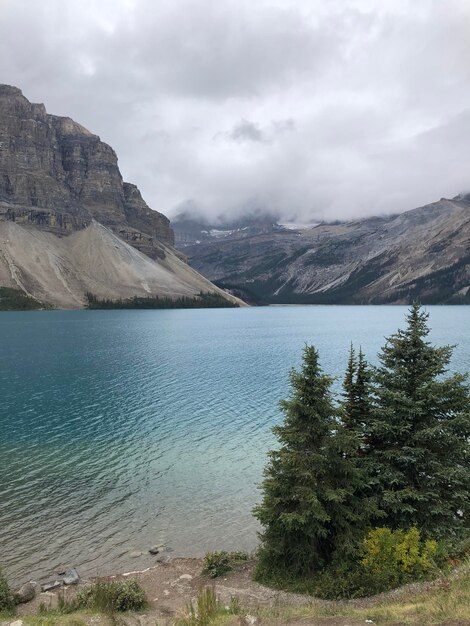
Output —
<point x="116" y="596"/>
<point x="108" y="598"/>
<point x="54" y="620"/>
<point x="443" y="601"/>
<point x="207" y="610"/>
<point x="440" y="602"/>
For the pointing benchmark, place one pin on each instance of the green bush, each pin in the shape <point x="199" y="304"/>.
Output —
<point x="341" y="582"/>
<point x="386" y="560"/>
<point x="7" y="600"/>
<point x="392" y="558"/>
<point x="113" y="596"/>
<point x="219" y="563"/>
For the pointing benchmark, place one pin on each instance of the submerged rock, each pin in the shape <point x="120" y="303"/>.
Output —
<point x="52" y="585"/>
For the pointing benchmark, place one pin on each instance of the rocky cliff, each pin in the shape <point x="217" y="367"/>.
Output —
<point x="69" y="224"/>
<point x="57" y="175"/>
<point x="423" y="253"/>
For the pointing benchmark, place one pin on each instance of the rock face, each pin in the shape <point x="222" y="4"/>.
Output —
<point x="57" y="175"/>
<point x="423" y="253"/>
<point x="69" y="225"/>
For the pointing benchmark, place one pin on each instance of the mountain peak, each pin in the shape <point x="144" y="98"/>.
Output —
<point x="9" y="90"/>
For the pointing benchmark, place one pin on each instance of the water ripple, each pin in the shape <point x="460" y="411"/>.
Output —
<point x="121" y="429"/>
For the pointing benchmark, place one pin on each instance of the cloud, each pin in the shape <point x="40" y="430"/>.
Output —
<point x="319" y="108"/>
<point x="246" y="131"/>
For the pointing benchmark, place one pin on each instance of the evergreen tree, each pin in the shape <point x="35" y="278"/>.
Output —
<point x="419" y="434"/>
<point x="349" y="391"/>
<point x="309" y="510"/>
<point x="357" y="398"/>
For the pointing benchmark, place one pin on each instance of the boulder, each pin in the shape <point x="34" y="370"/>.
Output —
<point x="71" y="577"/>
<point x="155" y="549"/>
<point x="25" y="593"/>
<point x="49" y="600"/>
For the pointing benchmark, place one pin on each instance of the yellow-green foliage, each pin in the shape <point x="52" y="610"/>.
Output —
<point x="396" y="557"/>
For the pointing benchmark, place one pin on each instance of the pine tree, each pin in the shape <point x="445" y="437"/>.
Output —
<point x="309" y="509"/>
<point x="363" y="393"/>
<point x="349" y="391"/>
<point x="419" y="434"/>
<point x="357" y="397"/>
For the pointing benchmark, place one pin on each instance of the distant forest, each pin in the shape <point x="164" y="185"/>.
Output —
<point x="204" y="300"/>
<point x="16" y="300"/>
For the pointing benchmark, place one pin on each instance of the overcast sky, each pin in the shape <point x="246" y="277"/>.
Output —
<point x="316" y="109"/>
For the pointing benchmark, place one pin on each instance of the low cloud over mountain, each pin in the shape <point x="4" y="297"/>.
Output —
<point x="309" y="109"/>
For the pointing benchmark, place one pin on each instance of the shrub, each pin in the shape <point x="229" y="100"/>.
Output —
<point x="112" y="596"/>
<point x="387" y="559"/>
<point x="7" y="600"/>
<point x="392" y="558"/>
<point x="219" y="563"/>
<point x="341" y="581"/>
<point x="216" y="564"/>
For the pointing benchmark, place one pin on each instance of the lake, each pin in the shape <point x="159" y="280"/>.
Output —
<point x="124" y="429"/>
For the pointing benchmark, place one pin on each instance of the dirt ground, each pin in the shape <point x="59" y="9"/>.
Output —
<point x="172" y="584"/>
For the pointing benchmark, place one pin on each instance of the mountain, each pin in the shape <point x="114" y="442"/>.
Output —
<point x="69" y="224"/>
<point x="423" y="253"/>
<point x="190" y="229"/>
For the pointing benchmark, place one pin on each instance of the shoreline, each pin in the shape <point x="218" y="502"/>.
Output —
<point x="171" y="585"/>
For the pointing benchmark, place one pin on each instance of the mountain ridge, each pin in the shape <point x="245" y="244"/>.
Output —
<point x="422" y="253"/>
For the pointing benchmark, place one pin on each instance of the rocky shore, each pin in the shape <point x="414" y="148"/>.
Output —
<point x="174" y="582"/>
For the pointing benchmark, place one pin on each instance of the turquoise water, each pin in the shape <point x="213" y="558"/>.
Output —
<point x="122" y="429"/>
